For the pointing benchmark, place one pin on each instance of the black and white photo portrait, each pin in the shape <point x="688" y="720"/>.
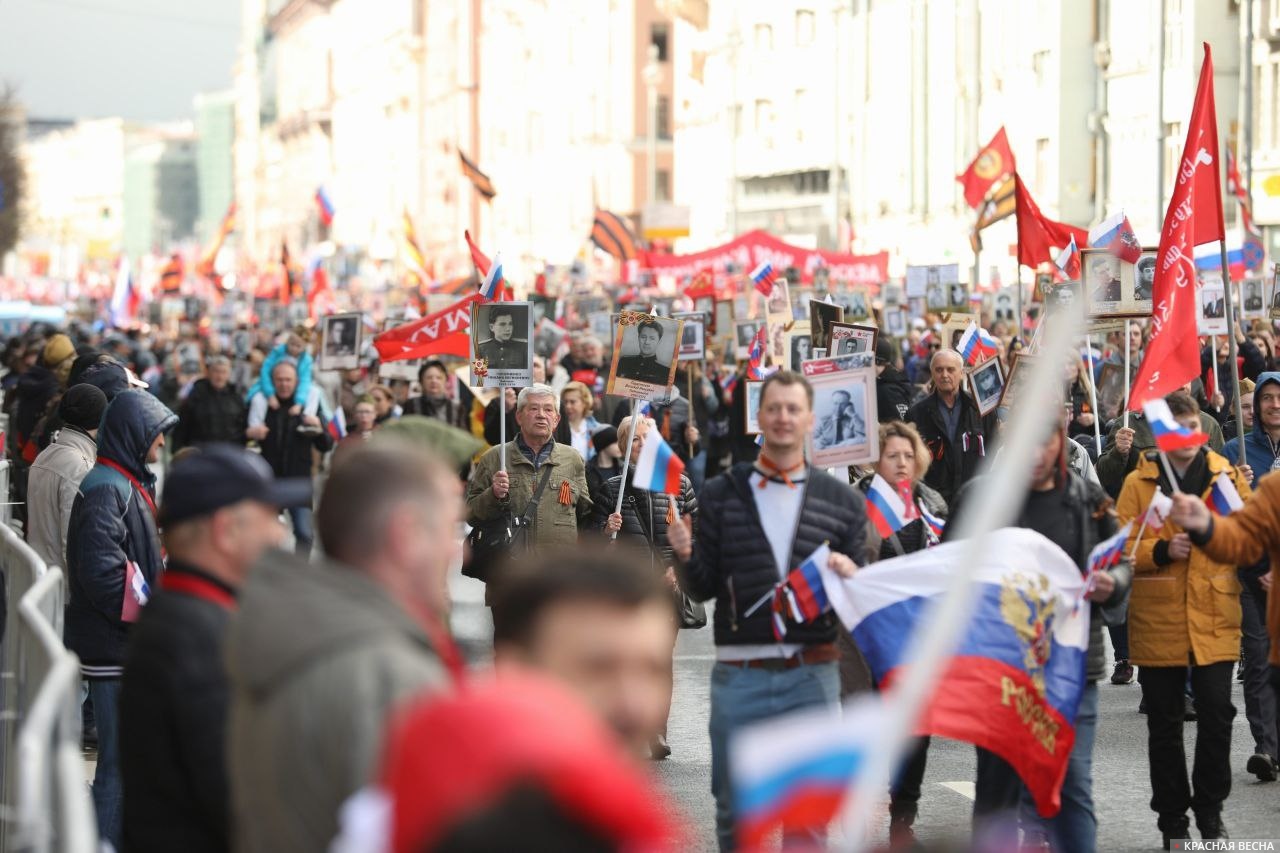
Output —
<point x="341" y="347"/>
<point x="501" y="345"/>
<point x="744" y="333"/>
<point x="644" y="354"/>
<point x="987" y="384"/>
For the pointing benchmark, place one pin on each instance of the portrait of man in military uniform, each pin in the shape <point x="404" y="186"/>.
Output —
<point x="647" y="365"/>
<point x="504" y="349"/>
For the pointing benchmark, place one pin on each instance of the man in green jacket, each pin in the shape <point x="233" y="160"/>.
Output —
<point x="565" y="501"/>
<point x="1125" y="446"/>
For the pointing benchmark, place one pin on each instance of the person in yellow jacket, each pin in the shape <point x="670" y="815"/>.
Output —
<point x="1184" y="613"/>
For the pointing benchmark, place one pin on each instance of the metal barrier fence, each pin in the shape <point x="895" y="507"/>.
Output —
<point x="45" y="800"/>
<point x="6" y="499"/>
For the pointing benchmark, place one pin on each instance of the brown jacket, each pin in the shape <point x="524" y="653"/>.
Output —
<point x="1188" y="609"/>
<point x="1245" y="537"/>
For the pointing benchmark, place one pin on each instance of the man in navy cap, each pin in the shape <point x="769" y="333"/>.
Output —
<point x="220" y="512"/>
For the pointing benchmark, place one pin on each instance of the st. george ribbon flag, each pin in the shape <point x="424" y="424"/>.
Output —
<point x="1014" y="684"/>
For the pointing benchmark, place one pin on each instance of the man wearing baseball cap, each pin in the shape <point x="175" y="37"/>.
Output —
<point x="220" y="512"/>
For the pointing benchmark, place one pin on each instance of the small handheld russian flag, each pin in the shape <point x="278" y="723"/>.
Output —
<point x="976" y="345"/>
<point x="658" y="469"/>
<point x="1107" y="553"/>
<point x="755" y="356"/>
<point x="889" y="507"/>
<point x="764" y="278"/>
<point x="1069" y="260"/>
<point x="1223" y="497"/>
<point x="326" y="206"/>
<point x="1158" y="510"/>
<point x="1116" y="235"/>
<point x="1168" y="433"/>
<point x="137" y="592"/>
<point x="337" y="425"/>
<point x="492" y="284"/>
<point x="935" y="524"/>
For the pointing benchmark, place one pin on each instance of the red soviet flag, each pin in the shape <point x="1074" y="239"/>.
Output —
<point x="446" y="332"/>
<point x="993" y="164"/>
<point x="1039" y="236"/>
<point x="1172" y="359"/>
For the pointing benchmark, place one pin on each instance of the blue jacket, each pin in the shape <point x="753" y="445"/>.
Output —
<point x="110" y="524"/>
<point x="1261" y="455"/>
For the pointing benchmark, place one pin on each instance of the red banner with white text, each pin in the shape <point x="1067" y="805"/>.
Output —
<point x="749" y="250"/>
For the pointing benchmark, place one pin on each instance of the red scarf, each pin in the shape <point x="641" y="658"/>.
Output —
<point x="142" y="490"/>
<point x="198" y="587"/>
<point x="771" y="470"/>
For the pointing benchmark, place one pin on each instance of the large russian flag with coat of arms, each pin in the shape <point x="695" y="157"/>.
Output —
<point x="1014" y="683"/>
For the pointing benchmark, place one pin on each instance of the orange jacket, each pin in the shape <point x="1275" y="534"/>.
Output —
<point x="1246" y="536"/>
<point x="1188" y="610"/>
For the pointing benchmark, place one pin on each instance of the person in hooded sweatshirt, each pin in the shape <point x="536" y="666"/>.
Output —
<point x="894" y="390"/>
<point x="55" y="476"/>
<point x="114" y="559"/>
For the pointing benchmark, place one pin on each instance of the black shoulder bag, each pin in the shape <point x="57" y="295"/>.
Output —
<point x="506" y="538"/>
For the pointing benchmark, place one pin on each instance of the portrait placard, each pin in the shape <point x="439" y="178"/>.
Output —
<point x="723" y="319"/>
<point x="340" y="342"/>
<point x="931" y="283"/>
<point x="644" y="355"/>
<point x="986" y="383"/>
<point x="821" y="316"/>
<point x="957" y="297"/>
<point x="744" y="332"/>
<point x="1005" y="306"/>
<point x="693" y="340"/>
<point x="1275" y="292"/>
<point x="752" y="426"/>
<point x="1110" y="390"/>
<point x="836" y="363"/>
<point x="895" y="322"/>
<point x="779" y="303"/>
<point x="1019" y="374"/>
<point x="799" y="345"/>
<point x="501" y="344"/>
<point x="845" y="428"/>
<point x="1254" y="305"/>
<point x="953" y="330"/>
<point x="1211" y="307"/>
<point x="852" y="338"/>
<point x="1110" y="284"/>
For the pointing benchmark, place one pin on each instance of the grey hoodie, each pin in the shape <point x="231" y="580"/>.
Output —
<point x="318" y="654"/>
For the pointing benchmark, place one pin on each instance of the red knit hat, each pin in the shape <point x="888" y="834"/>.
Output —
<point x="450" y="757"/>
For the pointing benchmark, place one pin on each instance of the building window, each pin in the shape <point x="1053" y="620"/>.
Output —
<point x="1040" y="66"/>
<point x="764" y="115"/>
<point x="662" y="190"/>
<point x="1172" y="154"/>
<point x="1042" y="166"/>
<point x="804" y="27"/>
<point x="662" y="117"/>
<point x="659" y="36"/>
<point x="802" y="113"/>
<point x="764" y="37"/>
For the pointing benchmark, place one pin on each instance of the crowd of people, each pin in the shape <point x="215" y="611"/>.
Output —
<point x="254" y="685"/>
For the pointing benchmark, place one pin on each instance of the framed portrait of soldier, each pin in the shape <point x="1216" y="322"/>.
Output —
<point x="845" y="430"/>
<point x="1211" y="307"/>
<point x="930" y="282"/>
<point x="501" y="344"/>
<point x="1044" y="283"/>
<point x="744" y="332"/>
<point x="547" y="337"/>
<point x="953" y="330"/>
<point x="821" y="316"/>
<point x="895" y="322"/>
<point x="957" y="297"/>
<point x="1005" y="306"/>
<point x="1106" y="283"/>
<point x="722" y="319"/>
<point x="1061" y="297"/>
<point x="752" y="425"/>
<point x="1144" y="282"/>
<point x="1019" y="375"/>
<point x="693" y="340"/>
<point x="645" y="349"/>
<point x="707" y="305"/>
<point x="1275" y="293"/>
<point x="340" y="342"/>
<point x="986" y="383"/>
<point x="779" y="302"/>
<point x="1110" y="390"/>
<point x="1254" y="303"/>
<point x="799" y="346"/>
<point x="856" y="304"/>
<point x="852" y="338"/>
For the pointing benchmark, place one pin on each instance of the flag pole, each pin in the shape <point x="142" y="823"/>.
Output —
<point x="1127" y="383"/>
<point x="626" y="463"/>
<point x="1168" y="471"/>
<point x="1213" y="376"/>
<point x="1232" y="351"/>
<point x="502" y="429"/>
<point x="1093" y="395"/>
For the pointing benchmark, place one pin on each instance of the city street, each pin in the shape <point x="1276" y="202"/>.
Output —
<point x="1121" y="786"/>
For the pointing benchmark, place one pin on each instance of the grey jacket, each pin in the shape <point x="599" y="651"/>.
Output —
<point x="51" y="490"/>
<point x="317" y="655"/>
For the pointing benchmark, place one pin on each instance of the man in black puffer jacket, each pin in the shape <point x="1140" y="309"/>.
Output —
<point x="214" y="411"/>
<point x="757" y="522"/>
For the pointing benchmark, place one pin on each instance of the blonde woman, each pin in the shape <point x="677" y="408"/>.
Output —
<point x="576" y="420"/>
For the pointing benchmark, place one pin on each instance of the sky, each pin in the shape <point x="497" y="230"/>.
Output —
<point x="144" y="60"/>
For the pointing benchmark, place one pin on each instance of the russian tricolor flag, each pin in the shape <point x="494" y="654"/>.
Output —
<point x="1168" y="433"/>
<point x="1069" y="260"/>
<point x="1158" y="510"/>
<point x="337" y="425"/>
<point x="325" y="204"/>
<point x="1223" y="497"/>
<point x="797" y="768"/>
<point x="889" y="507"/>
<point x="125" y="298"/>
<point x="492" y="284"/>
<point x="764" y="277"/>
<point x="1014" y="683"/>
<point x="658" y="469"/>
<point x="755" y="356"/>
<point x="1116" y="235"/>
<point x="976" y="345"/>
<point x="1106" y="554"/>
<point x="808" y="592"/>
<point x="935" y="523"/>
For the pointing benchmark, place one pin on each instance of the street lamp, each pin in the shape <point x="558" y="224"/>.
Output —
<point x="652" y="76"/>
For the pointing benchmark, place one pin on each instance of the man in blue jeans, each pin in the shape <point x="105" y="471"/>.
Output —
<point x="762" y="520"/>
<point x="114" y="560"/>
